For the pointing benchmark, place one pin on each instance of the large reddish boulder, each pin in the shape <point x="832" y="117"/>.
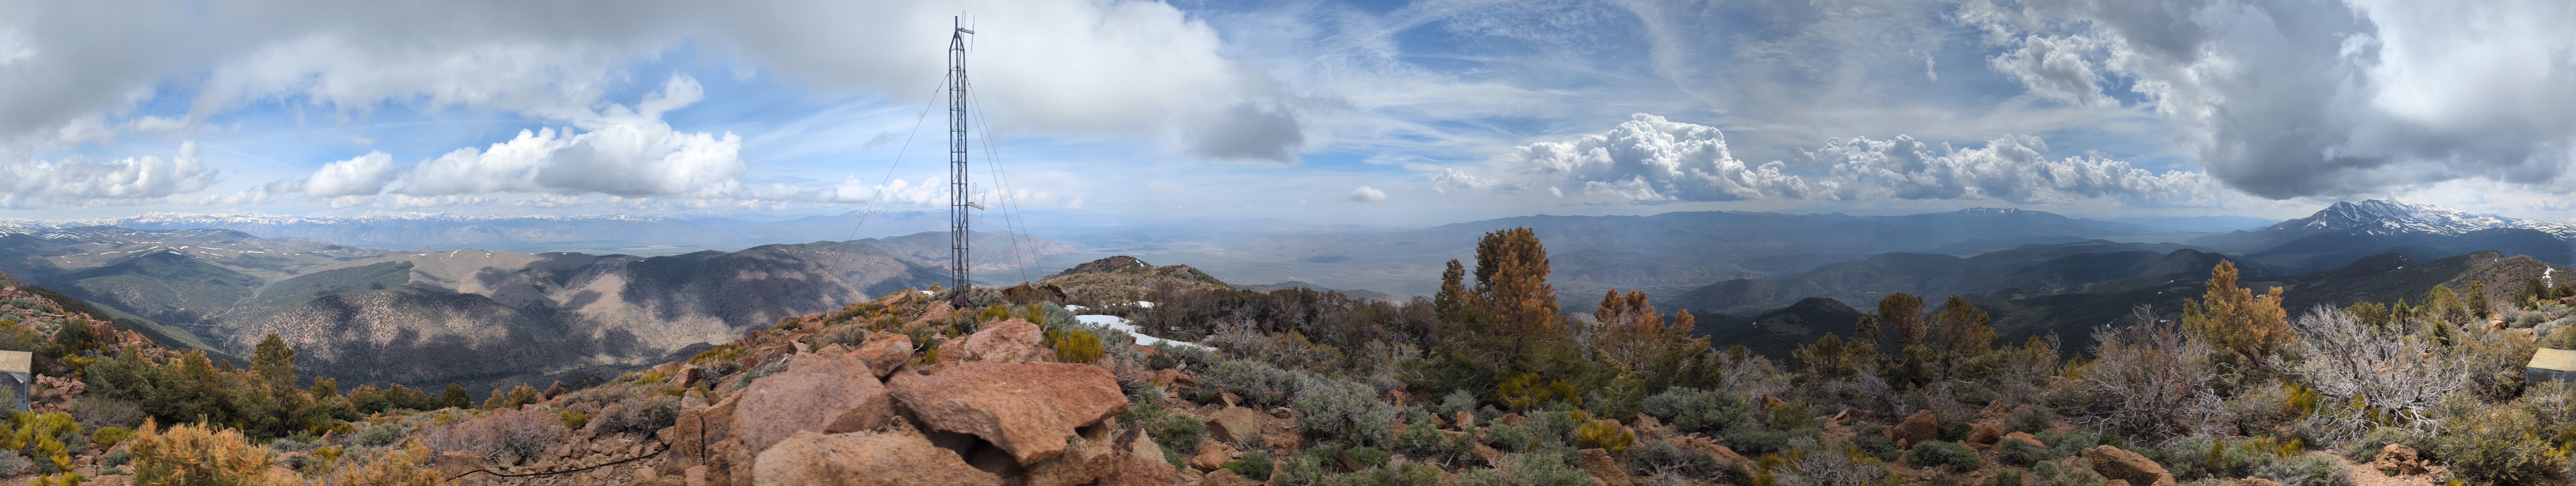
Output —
<point x="1010" y="341"/>
<point x="816" y="393"/>
<point x="1025" y="409"/>
<point x="1916" y="428"/>
<point x="895" y="457"/>
<point x="2120" y="464"/>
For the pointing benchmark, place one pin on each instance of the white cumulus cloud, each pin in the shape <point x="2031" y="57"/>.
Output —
<point x="82" y="181"/>
<point x="1648" y="158"/>
<point x="1367" y="194"/>
<point x="1651" y="160"/>
<point x="361" y="175"/>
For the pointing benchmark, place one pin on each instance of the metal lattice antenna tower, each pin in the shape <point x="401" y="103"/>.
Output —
<point x="958" y="202"/>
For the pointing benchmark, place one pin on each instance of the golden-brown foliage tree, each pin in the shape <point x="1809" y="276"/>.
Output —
<point x="1511" y="272"/>
<point x="2241" y="328"/>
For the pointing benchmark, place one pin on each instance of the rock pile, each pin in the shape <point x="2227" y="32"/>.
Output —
<point x="867" y="417"/>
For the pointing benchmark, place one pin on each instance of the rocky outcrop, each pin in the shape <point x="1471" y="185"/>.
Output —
<point x="817" y="393"/>
<point x="2120" y="464"/>
<point x="1025" y="409"/>
<point x="1140" y="463"/>
<point x="899" y="456"/>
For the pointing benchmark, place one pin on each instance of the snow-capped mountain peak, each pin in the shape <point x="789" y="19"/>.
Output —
<point x="2383" y="217"/>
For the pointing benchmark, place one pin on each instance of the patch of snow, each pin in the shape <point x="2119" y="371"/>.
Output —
<point x="1075" y="308"/>
<point x="1144" y="304"/>
<point x="1122" y="325"/>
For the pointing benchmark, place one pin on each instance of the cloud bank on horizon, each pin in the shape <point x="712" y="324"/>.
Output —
<point x="1420" y="111"/>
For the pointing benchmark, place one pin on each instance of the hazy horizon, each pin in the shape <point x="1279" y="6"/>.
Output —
<point x="1386" y="115"/>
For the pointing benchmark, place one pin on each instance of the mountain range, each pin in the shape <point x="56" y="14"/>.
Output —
<point x="373" y="315"/>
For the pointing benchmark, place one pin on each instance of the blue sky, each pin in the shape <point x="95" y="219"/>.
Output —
<point x="1377" y="113"/>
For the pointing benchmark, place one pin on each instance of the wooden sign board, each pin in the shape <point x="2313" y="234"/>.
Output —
<point x="16" y="361"/>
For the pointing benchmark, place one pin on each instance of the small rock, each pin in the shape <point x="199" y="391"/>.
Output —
<point x="2024" y="437"/>
<point x="1283" y="412"/>
<point x="1511" y="419"/>
<point x="2255" y="481"/>
<point x="1466" y="421"/>
<point x="2117" y="463"/>
<point x="1492" y="458"/>
<point x="2400" y="459"/>
<point x="1986" y="431"/>
<point x="453" y="463"/>
<point x="884" y="351"/>
<point x="1233" y="424"/>
<point x="1598" y="463"/>
<point x="1229" y="399"/>
<point x="1211" y="456"/>
<point x="1916" y="428"/>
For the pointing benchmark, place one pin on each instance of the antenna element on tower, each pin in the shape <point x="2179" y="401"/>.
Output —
<point x="958" y="202"/>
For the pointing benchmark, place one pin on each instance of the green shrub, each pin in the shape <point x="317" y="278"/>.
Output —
<point x="1957" y="458"/>
<point x="113" y="458"/>
<point x="1953" y="430"/>
<point x="1511" y="438"/>
<point x="2302" y="470"/>
<point x="1691" y="410"/>
<point x="2018" y="453"/>
<point x="1340" y="410"/>
<point x="1789" y="416"/>
<point x="1877" y="445"/>
<point x="1255" y="464"/>
<point x="2069" y="471"/>
<point x="1423" y="441"/>
<point x="1368" y="456"/>
<point x="379" y="435"/>
<point x="1765" y="441"/>
<point x="108" y="437"/>
<point x="1656" y="457"/>
<point x="1301" y="469"/>
<point x="2492" y="446"/>
<point x="1176" y="432"/>
<point x="2006" y="478"/>
<point x="11" y="463"/>
<point x="2369" y="445"/>
<point x="1457" y="401"/>
<point x="1533" y="469"/>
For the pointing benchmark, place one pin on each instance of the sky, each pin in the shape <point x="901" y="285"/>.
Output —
<point x="1373" y="113"/>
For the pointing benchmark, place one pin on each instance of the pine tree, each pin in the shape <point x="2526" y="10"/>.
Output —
<point x="1898" y="323"/>
<point x="1963" y="330"/>
<point x="275" y="362"/>
<point x="2477" y="300"/>
<point x="456" y="396"/>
